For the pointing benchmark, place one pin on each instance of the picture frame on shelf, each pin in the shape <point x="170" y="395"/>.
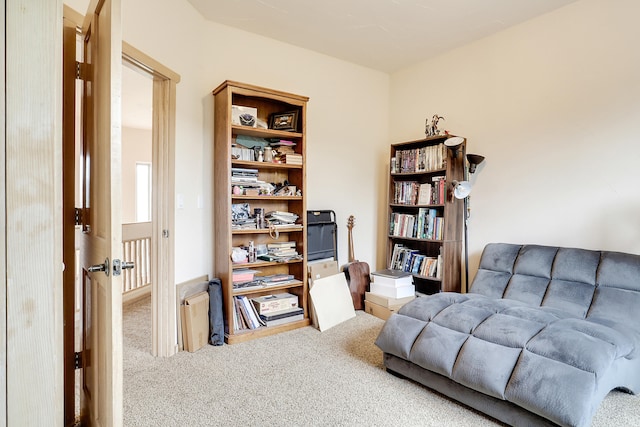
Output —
<point x="287" y="121"/>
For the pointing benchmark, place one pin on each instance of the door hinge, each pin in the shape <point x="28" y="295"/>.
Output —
<point x="77" y="212"/>
<point x="165" y="234"/>
<point x="77" y="360"/>
<point x="81" y="71"/>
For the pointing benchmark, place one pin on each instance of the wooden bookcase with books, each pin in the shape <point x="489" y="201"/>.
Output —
<point x="259" y="204"/>
<point x="425" y="221"/>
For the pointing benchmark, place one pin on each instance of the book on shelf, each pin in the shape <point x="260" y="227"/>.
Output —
<point x="242" y="153"/>
<point x="287" y="312"/>
<point x="412" y="261"/>
<point x="283" y="320"/>
<point x="424" y="194"/>
<point x="246" y="316"/>
<point x="438" y="193"/>
<point x="426" y="224"/>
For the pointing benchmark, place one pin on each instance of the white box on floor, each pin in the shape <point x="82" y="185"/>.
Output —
<point x="391" y="291"/>
<point x="395" y="278"/>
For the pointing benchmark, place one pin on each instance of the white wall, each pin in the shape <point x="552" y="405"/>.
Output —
<point x="347" y="115"/>
<point x="551" y="103"/>
<point x="136" y="147"/>
<point x="554" y="106"/>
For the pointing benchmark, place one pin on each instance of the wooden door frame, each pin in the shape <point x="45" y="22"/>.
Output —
<point x="163" y="290"/>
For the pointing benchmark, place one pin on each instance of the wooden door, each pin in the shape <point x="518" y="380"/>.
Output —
<point x="100" y="242"/>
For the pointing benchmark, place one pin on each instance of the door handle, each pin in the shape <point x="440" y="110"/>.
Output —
<point x="100" y="267"/>
<point x="118" y="266"/>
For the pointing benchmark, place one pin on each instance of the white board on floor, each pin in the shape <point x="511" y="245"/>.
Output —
<point x="331" y="301"/>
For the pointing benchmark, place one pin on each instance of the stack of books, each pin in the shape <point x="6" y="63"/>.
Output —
<point x="241" y="218"/>
<point x="280" y="252"/>
<point x="244" y="176"/>
<point x="244" y="278"/>
<point x="278" y="309"/>
<point x="292" y="159"/>
<point x="280" y="218"/>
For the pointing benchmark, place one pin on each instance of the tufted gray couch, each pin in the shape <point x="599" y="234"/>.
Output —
<point x="541" y="338"/>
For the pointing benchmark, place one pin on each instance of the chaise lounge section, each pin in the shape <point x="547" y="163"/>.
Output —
<point x="541" y="338"/>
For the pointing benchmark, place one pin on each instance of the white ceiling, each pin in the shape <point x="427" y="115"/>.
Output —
<point x="385" y="35"/>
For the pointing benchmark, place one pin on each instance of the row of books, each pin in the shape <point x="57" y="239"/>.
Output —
<point x="412" y="261"/>
<point x="248" y="315"/>
<point x="417" y="193"/>
<point x="242" y="153"/>
<point x="423" y="159"/>
<point x="424" y="225"/>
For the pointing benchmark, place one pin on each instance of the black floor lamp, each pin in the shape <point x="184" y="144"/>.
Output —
<point x="461" y="190"/>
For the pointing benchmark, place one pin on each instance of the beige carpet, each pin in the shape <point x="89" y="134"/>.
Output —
<point x="298" y="378"/>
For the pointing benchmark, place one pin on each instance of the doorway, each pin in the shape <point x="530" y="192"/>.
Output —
<point x="162" y="129"/>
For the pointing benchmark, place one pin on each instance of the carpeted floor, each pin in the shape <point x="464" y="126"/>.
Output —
<point x="297" y="378"/>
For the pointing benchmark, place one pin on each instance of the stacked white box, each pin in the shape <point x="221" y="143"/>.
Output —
<point x="392" y="291"/>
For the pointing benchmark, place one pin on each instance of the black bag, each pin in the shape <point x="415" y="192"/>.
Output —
<point x="216" y="318"/>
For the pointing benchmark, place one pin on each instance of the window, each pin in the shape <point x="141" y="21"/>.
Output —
<point x="143" y="192"/>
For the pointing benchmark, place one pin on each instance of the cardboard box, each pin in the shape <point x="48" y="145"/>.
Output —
<point x="377" y="310"/>
<point x="392" y="291"/>
<point x="390" y="303"/>
<point x="268" y="304"/>
<point x="195" y="319"/>
<point x="322" y="269"/>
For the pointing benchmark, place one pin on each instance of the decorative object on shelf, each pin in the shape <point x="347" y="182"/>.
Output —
<point x="432" y="129"/>
<point x="269" y="153"/>
<point x="243" y="116"/>
<point x="247" y="119"/>
<point x="284" y="121"/>
<point x="462" y="190"/>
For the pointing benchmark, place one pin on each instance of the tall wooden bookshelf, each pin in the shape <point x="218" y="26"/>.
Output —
<point x="266" y="102"/>
<point x="416" y="248"/>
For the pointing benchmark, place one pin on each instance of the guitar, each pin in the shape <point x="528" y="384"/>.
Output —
<point x="357" y="272"/>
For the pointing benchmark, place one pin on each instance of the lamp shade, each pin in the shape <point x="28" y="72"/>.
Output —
<point x="454" y="141"/>
<point x="461" y="189"/>
<point x="474" y="160"/>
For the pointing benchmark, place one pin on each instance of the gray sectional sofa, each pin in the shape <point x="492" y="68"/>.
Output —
<point x="541" y="338"/>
